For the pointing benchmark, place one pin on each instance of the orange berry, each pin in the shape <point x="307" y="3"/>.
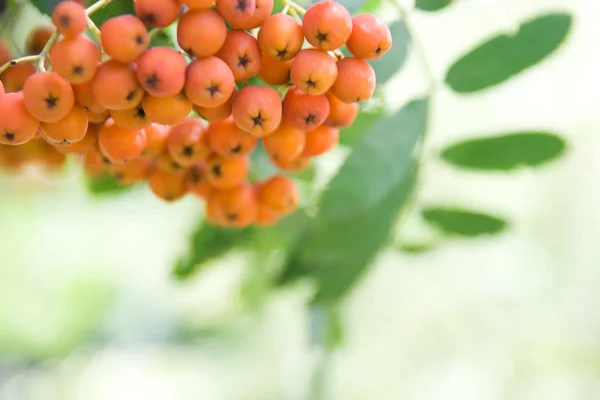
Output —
<point x="167" y="185"/>
<point x="2" y="91"/>
<point x="236" y="207"/>
<point x="321" y="140"/>
<point x="98" y="117"/>
<point x="274" y="72"/>
<point x="75" y="59"/>
<point x="231" y="10"/>
<point x="17" y="126"/>
<point x="327" y="25"/>
<point x="124" y="38"/>
<point x="295" y="165"/>
<point x="205" y="42"/>
<point x="70" y="129"/>
<point x="131" y="172"/>
<point x="132" y="119"/>
<point x="303" y="111"/>
<point x="48" y="97"/>
<point x="187" y="143"/>
<point x="313" y="71"/>
<point x="84" y="96"/>
<point x="341" y="115"/>
<point x="5" y="53"/>
<point x="257" y="110"/>
<point x="229" y="141"/>
<point x="157" y="13"/>
<point x="89" y="141"/>
<point x="286" y="143"/>
<point x="355" y="81"/>
<point x="167" y="110"/>
<point x="165" y="162"/>
<point x="37" y="39"/>
<point x="197" y="4"/>
<point x="227" y="173"/>
<point x="120" y="145"/>
<point x="69" y="18"/>
<point x="115" y="86"/>
<point x="156" y="140"/>
<point x="209" y="82"/>
<point x="95" y="163"/>
<point x="215" y="114"/>
<point x="370" y="39"/>
<point x="197" y="182"/>
<point x="161" y="71"/>
<point x="266" y="217"/>
<point x="279" y="193"/>
<point x="242" y="54"/>
<point x="14" y="77"/>
<point x="281" y="37"/>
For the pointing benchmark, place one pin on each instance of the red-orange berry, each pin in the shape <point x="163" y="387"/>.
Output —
<point x="167" y="185"/>
<point x="98" y="117"/>
<point x="76" y="59"/>
<point x="5" y="53"/>
<point x="279" y="193"/>
<point x="206" y="41"/>
<point x="161" y="71"/>
<point x="197" y="4"/>
<point x="48" y="97"/>
<point x="70" y="129"/>
<point x="124" y="38"/>
<point x="37" y="39"/>
<point x="274" y="72"/>
<point x="157" y="13"/>
<point x="286" y="143"/>
<point x="187" y="143"/>
<point x="314" y="71"/>
<point x="17" y="126"/>
<point x="231" y="11"/>
<point x="14" y="77"/>
<point x="209" y="82"/>
<point x="327" y="25"/>
<point x="341" y="115"/>
<point x="95" y="163"/>
<point x="257" y="110"/>
<point x="167" y="110"/>
<point x="115" y="86"/>
<point x="303" y="111"/>
<point x="156" y="140"/>
<point x="165" y="162"/>
<point x="133" y="119"/>
<point x="370" y="39"/>
<point x="229" y="141"/>
<point x="120" y="145"/>
<point x="266" y="217"/>
<point x="131" y="172"/>
<point x="215" y="114"/>
<point x="281" y="37"/>
<point x="295" y="165"/>
<point x="84" y="96"/>
<point x="355" y="81"/>
<point x="227" y="173"/>
<point x="2" y="91"/>
<point x="89" y="141"/>
<point x="321" y="140"/>
<point x="237" y="207"/>
<point x="69" y="18"/>
<point x="242" y="54"/>
<point x="197" y="182"/>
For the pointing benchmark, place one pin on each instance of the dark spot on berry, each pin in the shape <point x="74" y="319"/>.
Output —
<point x="232" y="217"/>
<point x="139" y="40"/>
<point x="148" y="19"/>
<point x="152" y="81"/>
<point x="187" y="151"/>
<point x="216" y="170"/>
<point x="140" y="113"/>
<point x="78" y="70"/>
<point x="51" y="102"/>
<point x="105" y="160"/>
<point x="282" y="53"/>
<point x="13" y="62"/>
<point x="194" y="176"/>
<point x="169" y="197"/>
<point x="321" y="37"/>
<point x="64" y="20"/>
<point x="378" y="51"/>
<point x="243" y="61"/>
<point x="131" y="95"/>
<point x="175" y="165"/>
<point x="236" y="149"/>
<point x="310" y="118"/>
<point x="86" y="108"/>
<point x="213" y="89"/>
<point x="310" y="83"/>
<point x="9" y="136"/>
<point x="119" y="176"/>
<point x="242" y="5"/>
<point x="258" y="120"/>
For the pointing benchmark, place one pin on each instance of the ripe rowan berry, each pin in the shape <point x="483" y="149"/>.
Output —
<point x="98" y="117"/>
<point x="94" y="162"/>
<point x="257" y="110"/>
<point x="84" y="96"/>
<point x="70" y="129"/>
<point x="89" y="141"/>
<point x="69" y="18"/>
<point x="295" y="165"/>
<point x="327" y="25"/>
<point x="197" y="4"/>
<point x="355" y="81"/>
<point x="131" y="172"/>
<point x="279" y="193"/>
<point x="227" y="173"/>
<point x="120" y="145"/>
<point x="313" y="71"/>
<point x="187" y="143"/>
<point x="205" y="42"/>
<point x="37" y="39"/>
<point x="15" y="76"/>
<point x="165" y="162"/>
<point x="371" y="37"/>
<point x="47" y="156"/>
<point x="286" y="143"/>
<point x="215" y="114"/>
<point x="242" y="54"/>
<point x="132" y="119"/>
<point x="167" y="110"/>
<point x="76" y="59"/>
<point x="303" y="111"/>
<point x="167" y="186"/>
<point x="161" y="71"/>
<point x="157" y="13"/>
<point x="236" y="207"/>
<point x="197" y="182"/>
<point x="274" y="72"/>
<point x="234" y="10"/>
<point x="229" y="141"/>
<point x="266" y="217"/>
<point x="238" y="20"/>
<point x="5" y="53"/>
<point x="341" y="115"/>
<point x="321" y="140"/>
<point x="124" y="38"/>
<point x="281" y="37"/>
<point x="2" y="91"/>
<point x="156" y="140"/>
<point x="48" y="97"/>
<point x="115" y="86"/>
<point x="209" y="82"/>
<point x="17" y="126"/>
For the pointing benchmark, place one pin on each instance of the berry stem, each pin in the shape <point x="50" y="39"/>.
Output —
<point x="294" y="8"/>
<point x="19" y="61"/>
<point x="93" y="28"/>
<point x="286" y="9"/>
<point x="45" y="51"/>
<point x="96" y="6"/>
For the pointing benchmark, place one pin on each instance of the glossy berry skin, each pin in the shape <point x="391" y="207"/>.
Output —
<point x="48" y="97"/>
<point x="69" y="18"/>
<point x="236" y="207"/>
<point x="279" y="193"/>
<point x="355" y="81"/>
<point x="124" y="38"/>
<point x="17" y="126"/>
<point x="304" y="112"/>
<point x="161" y="71"/>
<point x="205" y="42"/>
<point x="257" y="110"/>
<point x="209" y="82"/>
<point x="281" y="37"/>
<point x="187" y="143"/>
<point x="314" y="71"/>
<point x="227" y="173"/>
<point x="229" y="141"/>
<point x="157" y="13"/>
<point x="167" y="186"/>
<point x="371" y="37"/>
<point x="286" y="143"/>
<point x="120" y="145"/>
<point x="76" y="59"/>
<point x="327" y="25"/>
<point x="70" y="129"/>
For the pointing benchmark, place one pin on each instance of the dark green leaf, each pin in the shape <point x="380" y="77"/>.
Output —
<point x="377" y="164"/>
<point x="364" y="121"/>
<point x="506" y="152"/>
<point x="113" y="9"/>
<point x="162" y="39"/>
<point x="390" y="63"/>
<point x="432" y="5"/>
<point x="463" y="222"/>
<point x="505" y="56"/>
<point x="45" y="6"/>
<point x="105" y="185"/>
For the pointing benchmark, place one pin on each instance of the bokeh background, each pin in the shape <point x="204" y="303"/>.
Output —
<point x="500" y="302"/>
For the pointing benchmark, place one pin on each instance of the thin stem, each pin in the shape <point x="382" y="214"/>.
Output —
<point x="93" y="28"/>
<point x="19" y="61"/>
<point x="45" y="51"/>
<point x="96" y="6"/>
<point x="154" y="32"/>
<point x="286" y="8"/>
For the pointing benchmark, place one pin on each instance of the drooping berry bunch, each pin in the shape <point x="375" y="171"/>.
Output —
<point x="186" y="121"/>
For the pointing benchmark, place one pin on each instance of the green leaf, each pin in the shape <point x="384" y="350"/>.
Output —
<point x="111" y="10"/>
<point x="509" y="151"/>
<point x="432" y="5"/>
<point x="45" y="6"/>
<point x="353" y="6"/>
<point x="207" y="243"/>
<point x="363" y="122"/>
<point x="105" y="185"/>
<point x="388" y="65"/>
<point x="463" y="222"/>
<point x="505" y="56"/>
<point x="377" y="164"/>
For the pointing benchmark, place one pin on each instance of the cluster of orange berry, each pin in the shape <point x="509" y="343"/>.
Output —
<point x="187" y="121"/>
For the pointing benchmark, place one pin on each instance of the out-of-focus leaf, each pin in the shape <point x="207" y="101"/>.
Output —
<point x="506" y="152"/>
<point x="463" y="222"/>
<point x="111" y="10"/>
<point x="45" y="6"/>
<point x="391" y="62"/>
<point x="363" y="122"/>
<point x="505" y="56"/>
<point x="432" y="5"/>
<point x="325" y="327"/>
<point x="105" y="185"/>
<point x="378" y="163"/>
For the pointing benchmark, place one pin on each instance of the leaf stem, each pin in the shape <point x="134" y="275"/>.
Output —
<point x="19" y="61"/>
